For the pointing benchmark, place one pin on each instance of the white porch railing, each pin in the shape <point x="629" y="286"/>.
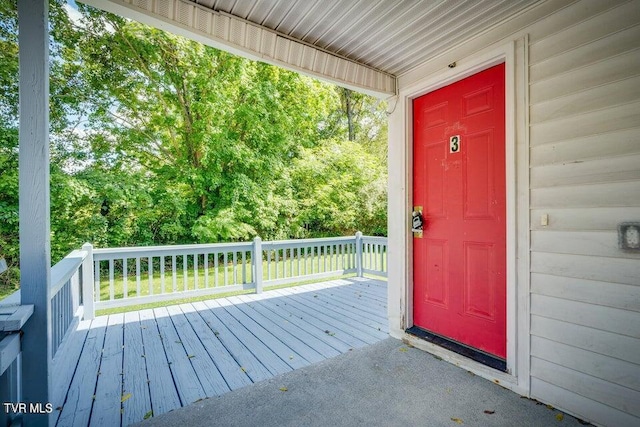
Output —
<point x="374" y="255"/>
<point x="66" y="297"/>
<point x="140" y="275"/>
<point x="67" y="308"/>
<point x="90" y="279"/>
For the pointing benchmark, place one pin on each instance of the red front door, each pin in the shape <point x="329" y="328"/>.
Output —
<point x="459" y="265"/>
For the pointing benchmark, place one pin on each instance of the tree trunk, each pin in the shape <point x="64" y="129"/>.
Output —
<point x="349" y="110"/>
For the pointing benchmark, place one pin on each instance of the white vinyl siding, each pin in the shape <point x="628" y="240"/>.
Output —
<point x="585" y="174"/>
<point x="579" y="346"/>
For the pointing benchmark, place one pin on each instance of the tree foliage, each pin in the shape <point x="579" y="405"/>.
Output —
<point x="157" y="139"/>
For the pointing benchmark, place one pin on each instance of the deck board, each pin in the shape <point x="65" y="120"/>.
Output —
<point x="354" y="294"/>
<point x="125" y="367"/>
<point x="255" y="344"/>
<point x="363" y="307"/>
<point x="210" y="378"/>
<point x="76" y="410"/>
<point x="372" y="288"/>
<point x="108" y="396"/>
<point x="323" y="349"/>
<point x="333" y="314"/>
<point x="248" y="363"/>
<point x="184" y="375"/>
<point x="287" y="338"/>
<point x="347" y="313"/>
<point x="311" y="326"/>
<point x="164" y="396"/>
<point x="65" y="364"/>
<point x="357" y="297"/>
<point x="224" y="361"/>
<point x="135" y="387"/>
<point x="329" y="326"/>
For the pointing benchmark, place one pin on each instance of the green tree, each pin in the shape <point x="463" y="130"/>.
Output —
<point x="64" y="106"/>
<point x="214" y="129"/>
<point x="341" y="188"/>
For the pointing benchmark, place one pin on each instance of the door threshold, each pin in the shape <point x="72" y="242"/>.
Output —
<point x="464" y="350"/>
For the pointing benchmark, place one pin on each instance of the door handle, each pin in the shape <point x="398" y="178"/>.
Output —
<point x="417" y="221"/>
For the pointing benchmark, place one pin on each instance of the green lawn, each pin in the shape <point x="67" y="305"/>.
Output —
<point x="208" y="297"/>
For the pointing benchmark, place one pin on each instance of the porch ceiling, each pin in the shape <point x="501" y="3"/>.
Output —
<point x="361" y="44"/>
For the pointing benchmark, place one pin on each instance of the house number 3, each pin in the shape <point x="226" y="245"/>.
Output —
<point x="454" y="144"/>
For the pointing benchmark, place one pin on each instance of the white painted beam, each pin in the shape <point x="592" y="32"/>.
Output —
<point x="250" y="40"/>
<point x="35" y="253"/>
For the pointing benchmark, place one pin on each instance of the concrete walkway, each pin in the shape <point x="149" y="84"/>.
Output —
<point x="386" y="384"/>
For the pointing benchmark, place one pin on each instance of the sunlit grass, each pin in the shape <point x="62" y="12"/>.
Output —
<point x="211" y="296"/>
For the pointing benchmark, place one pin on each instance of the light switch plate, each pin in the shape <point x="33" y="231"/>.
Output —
<point x="544" y="220"/>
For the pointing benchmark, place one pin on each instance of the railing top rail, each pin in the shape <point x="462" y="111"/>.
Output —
<point x="62" y="271"/>
<point x="99" y="253"/>
<point x="317" y="241"/>
<point x="374" y="239"/>
<point x="12" y="299"/>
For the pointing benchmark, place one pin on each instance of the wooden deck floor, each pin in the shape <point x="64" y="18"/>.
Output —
<point x="123" y="368"/>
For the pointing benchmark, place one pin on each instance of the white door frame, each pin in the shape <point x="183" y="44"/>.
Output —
<point x="517" y="201"/>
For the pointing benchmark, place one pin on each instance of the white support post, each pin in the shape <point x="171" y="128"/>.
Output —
<point x="35" y="245"/>
<point x="256" y="260"/>
<point x="359" y="253"/>
<point x="87" y="283"/>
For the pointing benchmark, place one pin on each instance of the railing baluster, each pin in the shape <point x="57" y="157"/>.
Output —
<point x="226" y="272"/>
<point x="138" y="276"/>
<point x="54" y="327"/>
<point x="125" y="274"/>
<point x="111" y="281"/>
<point x="374" y="256"/>
<point x="74" y="294"/>
<point x="215" y="269"/>
<point x="331" y="257"/>
<point x="244" y="267"/>
<point x="325" y="258"/>
<point x="162" y="282"/>
<point x="371" y="255"/>
<point x="352" y="259"/>
<point x="284" y="262"/>
<point x="292" y="257"/>
<point x="206" y="270"/>
<point x="268" y="264"/>
<point x="235" y="267"/>
<point x="185" y="272"/>
<point x="150" y="273"/>
<point x="174" y="273"/>
<point x="195" y="271"/>
<point x="96" y="280"/>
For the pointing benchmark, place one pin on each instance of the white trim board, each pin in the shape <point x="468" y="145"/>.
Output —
<point x="400" y="185"/>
